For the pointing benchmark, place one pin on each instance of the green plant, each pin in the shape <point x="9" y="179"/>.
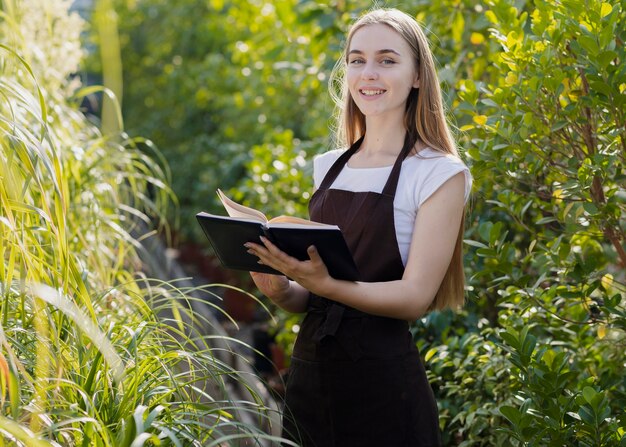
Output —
<point x="549" y="241"/>
<point x="92" y="353"/>
<point x="556" y="406"/>
<point x="469" y="373"/>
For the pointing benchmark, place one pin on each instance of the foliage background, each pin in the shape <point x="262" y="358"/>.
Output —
<point x="235" y="94"/>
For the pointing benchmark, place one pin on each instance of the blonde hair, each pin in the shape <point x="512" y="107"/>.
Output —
<point x="424" y="119"/>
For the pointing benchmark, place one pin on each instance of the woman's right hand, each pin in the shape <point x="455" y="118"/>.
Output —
<point x="286" y="294"/>
<point x="275" y="287"/>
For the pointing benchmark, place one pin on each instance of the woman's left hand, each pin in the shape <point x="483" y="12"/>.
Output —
<point x="311" y="274"/>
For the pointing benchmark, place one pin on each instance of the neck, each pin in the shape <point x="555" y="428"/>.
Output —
<point x="383" y="136"/>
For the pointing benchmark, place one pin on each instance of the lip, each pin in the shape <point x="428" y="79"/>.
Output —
<point x="371" y="89"/>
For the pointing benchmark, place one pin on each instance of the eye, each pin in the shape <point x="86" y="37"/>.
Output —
<point x="356" y="61"/>
<point x="388" y="62"/>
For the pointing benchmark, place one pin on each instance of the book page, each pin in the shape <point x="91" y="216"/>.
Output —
<point x="235" y="209"/>
<point x="294" y="220"/>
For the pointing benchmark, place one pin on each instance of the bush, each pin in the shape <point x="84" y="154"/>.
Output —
<point x="549" y="240"/>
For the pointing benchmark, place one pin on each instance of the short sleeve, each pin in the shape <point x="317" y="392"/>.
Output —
<point x="442" y="170"/>
<point x="322" y="163"/>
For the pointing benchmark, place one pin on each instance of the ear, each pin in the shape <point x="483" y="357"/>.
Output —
<point x="416" y="83"/>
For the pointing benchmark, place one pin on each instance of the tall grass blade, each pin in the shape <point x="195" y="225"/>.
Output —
<point x="22" y="434"/>
<point x="82" y="321"/>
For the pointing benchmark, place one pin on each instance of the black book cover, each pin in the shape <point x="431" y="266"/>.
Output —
<point x="227" y="236"/>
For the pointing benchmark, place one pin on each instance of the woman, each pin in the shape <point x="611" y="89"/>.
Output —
<point x="398" y="194"/>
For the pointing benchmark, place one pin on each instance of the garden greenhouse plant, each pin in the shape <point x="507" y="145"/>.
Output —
<point x="537" y="90"/>
<point x="92" y="352"/>
<point x="552" y="130"/>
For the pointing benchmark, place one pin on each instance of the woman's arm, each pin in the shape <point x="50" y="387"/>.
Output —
<point x="432" y="245"/>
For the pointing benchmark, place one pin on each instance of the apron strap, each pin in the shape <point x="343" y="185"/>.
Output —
<point x="392" y="182"/>
<point x="338" y="165"/>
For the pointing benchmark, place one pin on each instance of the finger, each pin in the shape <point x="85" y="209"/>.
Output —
<point x="269" y="245"/>
<point x="276" y="253"/>
<point x="314" y="255"/>
<point x="251" y="246"/>
<point x="265" y="257"/>
<point x="256" y="249"/>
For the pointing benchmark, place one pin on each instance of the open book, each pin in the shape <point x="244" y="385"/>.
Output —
<point x="293" y="235"/>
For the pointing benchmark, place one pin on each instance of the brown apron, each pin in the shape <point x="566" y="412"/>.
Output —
<point x="356" y="380"/>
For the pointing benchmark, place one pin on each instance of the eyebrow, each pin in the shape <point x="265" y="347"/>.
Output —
<point x="383" y="51"/>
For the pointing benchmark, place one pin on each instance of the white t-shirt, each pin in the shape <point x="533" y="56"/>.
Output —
<point x="421" y="175"/>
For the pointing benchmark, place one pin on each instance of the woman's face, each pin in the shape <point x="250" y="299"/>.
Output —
<point x="381" y="71"/>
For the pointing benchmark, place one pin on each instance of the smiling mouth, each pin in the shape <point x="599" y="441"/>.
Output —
<point x="371" y="92"/>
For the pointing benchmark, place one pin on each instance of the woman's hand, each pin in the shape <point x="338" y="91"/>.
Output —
<point x="272" y="286"/>
<point x="311" y="274"/>
<point x="287" y="294"/>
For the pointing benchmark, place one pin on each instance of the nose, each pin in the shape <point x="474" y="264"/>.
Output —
<point x="369" y="72"/>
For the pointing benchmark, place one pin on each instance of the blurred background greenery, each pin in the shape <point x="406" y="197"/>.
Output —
<point x="234" y="94"/>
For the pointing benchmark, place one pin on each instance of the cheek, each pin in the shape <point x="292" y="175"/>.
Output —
<point x="405" y="80"/>
<point x="351" y="77"/>
<point x="352" y="82"/>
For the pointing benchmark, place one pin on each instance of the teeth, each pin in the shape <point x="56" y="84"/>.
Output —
<point x="372" y="92"/>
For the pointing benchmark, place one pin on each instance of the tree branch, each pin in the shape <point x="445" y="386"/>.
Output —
<point x="614" y="235"/>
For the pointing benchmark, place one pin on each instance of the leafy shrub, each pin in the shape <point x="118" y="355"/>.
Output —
<point x="550" y="239"/>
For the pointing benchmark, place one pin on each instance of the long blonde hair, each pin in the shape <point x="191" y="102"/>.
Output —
<point x="424" y="119"/>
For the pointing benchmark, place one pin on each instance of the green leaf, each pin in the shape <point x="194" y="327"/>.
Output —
<point x="602" y="87"/>
<point x="590" y="208"/>
<point x="510" y="336"/>
<point x="589" y="394"/>
<point x="589" y="44"/>
<point x="545" y="220"/>
<point x="528" y="342"/>
<point x="511" y="413"/>
<point x="484" y="230"/>
<point x="587" y="415"/>
<point x="458" y="26"/>
<point x="22" y="434"/>
<point x="431" y="352"/>
<point x="475" y="243"/>
<point x="605" y="58"/>
<point x="605" y="9"/>
<point x="559" y="125"/>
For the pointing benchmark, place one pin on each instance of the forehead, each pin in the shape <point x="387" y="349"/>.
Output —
<point x="378" y="36"/>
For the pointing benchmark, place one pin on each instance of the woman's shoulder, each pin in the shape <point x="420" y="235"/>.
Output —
<point x="322" y="163"/>
<point x="429" y="169"/>
<point x="328" y="156"/>
<point x="430" y="158"/>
